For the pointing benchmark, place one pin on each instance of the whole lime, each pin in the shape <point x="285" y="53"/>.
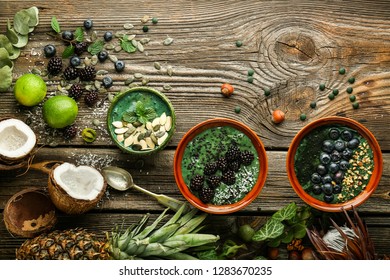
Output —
<point x="60" y="111"/>
<point x="30" y="89"/>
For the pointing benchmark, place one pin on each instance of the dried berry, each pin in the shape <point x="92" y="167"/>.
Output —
<point x="91" y="98"/>
<point x="70" y="132"/>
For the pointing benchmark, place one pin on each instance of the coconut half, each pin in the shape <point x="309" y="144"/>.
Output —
<point x="29" y="212"/>
<point x="76" y="189"/>
<point x="17" y="140"/>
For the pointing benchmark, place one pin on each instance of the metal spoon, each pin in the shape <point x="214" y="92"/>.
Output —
<point x="121" y="180"/>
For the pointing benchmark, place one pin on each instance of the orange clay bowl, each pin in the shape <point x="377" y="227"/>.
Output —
<point x="372" y="183"/>
<point x="261" y="177"/>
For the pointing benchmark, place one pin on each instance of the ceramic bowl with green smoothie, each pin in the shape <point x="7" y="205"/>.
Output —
<point x="141" y="121"/>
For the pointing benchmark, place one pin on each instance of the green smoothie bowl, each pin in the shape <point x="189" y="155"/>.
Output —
<point x="141" y="121"/>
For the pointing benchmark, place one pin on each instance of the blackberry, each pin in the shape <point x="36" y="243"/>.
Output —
<point x="70" y="73"/>
<point x="54" y="66"/>
<point x="88" y="73"/>
<point x="229" y="178"/>
<point x="75" y="91"/>
<point x="197" y="183"/>
<point x="234" y="166"/>
<point x="222" y="164"/>
<point x="210" y="168"/>
<point x="70" y="132"/>
<point x="233" y="153"/>
<point x="213" y="181"/>
<point x="247" y="157"/>
<point x="206" y="195"/>
<point x="80" y="48"/>
<point x="91" y="98"/>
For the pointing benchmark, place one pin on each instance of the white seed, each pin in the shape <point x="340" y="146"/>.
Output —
<point x="167" y="87"/>
<point x="168" y="41"/>
<point x="140" y="47"/>
<point x="155" y="122"/>
<point x="169" y="70"/>
<point x="87" y="61"/>
<point x="150" y="142"/>
<point x="163" y="119"/>
<point x="143" y="144"/>
<point x="134" y="42"/>
<point x="138" y="75"/>
<point x="129" y="141"/>
<point x="128" y="26"/>
<point x="94" y="59"/>
<point x="130" y="37"/>
<point x="145" y="19"/>
<point x="157" y="65"/>
<point x="117" y="48"/>
<point x="162" y="139"/>
<point x="117" y="124"/>
<point x="149" y="126"/>
<point x="102" y="72"/>
<point x="121" y="130"/>
<point x="97" y="84"/>
<point x="120" y="137"/>
<point x="113" y="58"/>
<point x="141" y="128"/>
<point x="109" y="46"/>
<point x="130" y="126"/>
<point x="144" y="41"/>
<point x="168" y="123"/>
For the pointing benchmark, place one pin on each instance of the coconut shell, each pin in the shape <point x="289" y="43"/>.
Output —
<point x="67" y="204"/>
<point x="29" y="213"/>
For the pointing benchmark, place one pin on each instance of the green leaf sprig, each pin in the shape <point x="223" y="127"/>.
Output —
<point x="127" y="44"/>
<point x="141" y="114"/>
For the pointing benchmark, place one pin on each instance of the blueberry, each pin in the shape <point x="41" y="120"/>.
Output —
<point x="339" y="145"/>
<point x="316" y="178"/>
<point x="353" y="143"/>
<point x="325" y="158"/>
<point x="327" y="179"/>
<point x="338" y="177"/>
<point x="333" y="167"/>
<point x="328" y="198"/>
<point x="334" y="133"/>
<point x="49" y="50"/>
<point x="321" y="169"/>
<point x="107" y="36"/>
<point x="346" y="135"/>
<point x="344" y="165"/>
<point x="347" y="154"/>
<point x="328" y="146"/>
<point x="327" y="188"/>
<point x="67" y="35"/>
<point x="336" y="189"/>
<point x="88" y="24"/>
<point x="107" y="82"/>
<point x="102" y="56"/>
<point x="75" y="61"/>
<point x="119" y="66"/>
<point x="335" y="156"/>
<point x="317" y="189"/>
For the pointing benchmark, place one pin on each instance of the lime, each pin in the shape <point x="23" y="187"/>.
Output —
<point x="60" y="111"/>
<point x="30" y="89"/>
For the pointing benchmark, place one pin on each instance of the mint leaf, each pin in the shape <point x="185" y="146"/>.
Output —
<point x="79" y="34"/>
<point x="55" y="25"/>
<point x="140" y="108"/>
<point x="270" y="230"/>
<point x="127" y="46"/>
<point x="68" y="52"/>
<point x="286" y="213"/>
<point x="129" y="117"/>
<point x="143" y="119"/>
<point x="95" y="47"/>
<point x="150" y="113"/>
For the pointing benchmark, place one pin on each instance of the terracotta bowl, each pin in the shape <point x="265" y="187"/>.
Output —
<point x="261" y="176"/>
<point x="372" y="183"/>
<point x="125" y="102"/>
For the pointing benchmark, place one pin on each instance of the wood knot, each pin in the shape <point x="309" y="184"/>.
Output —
<point x="295" y="47"/>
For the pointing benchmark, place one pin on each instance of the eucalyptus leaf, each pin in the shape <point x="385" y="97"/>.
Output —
<point x="33" y="14"/>
<point x="4" y="59"/>
<point x="6" y="78"/>
<point x="21" y="20"/>
<point x="79" y="34"/>
<point x="11" y="34"/>
<point x="270" y="230"/>
<point x="95" y="47"/>
<point x="55" y="25"/>
<point x="5" y="43"/>
<point x="22" y="41"/>
<point x="68" y="52"/>
<point x="15" y="54"/>
<point x="286" y="213"/>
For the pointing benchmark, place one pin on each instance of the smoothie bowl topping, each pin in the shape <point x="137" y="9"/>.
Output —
<point x="220" y="166"/>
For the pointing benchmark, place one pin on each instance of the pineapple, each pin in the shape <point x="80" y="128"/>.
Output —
<point x="169" y="241"/>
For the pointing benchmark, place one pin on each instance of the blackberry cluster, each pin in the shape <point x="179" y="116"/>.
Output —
<point x="70" y="73"/>
<point x="88" y="73"/>
<point x="70" y="132"/>
<point x="91" y="98"/>
<point x="80" y="48"/>
<point x="222" y="170"/>
<point x="75" y="91"/>
<point x="54" y="65"/>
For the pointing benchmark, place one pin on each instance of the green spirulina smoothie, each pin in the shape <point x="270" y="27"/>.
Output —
<point x="210" y="145"/>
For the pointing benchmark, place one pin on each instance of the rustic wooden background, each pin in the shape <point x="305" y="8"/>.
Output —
<point x="292" y="47"/>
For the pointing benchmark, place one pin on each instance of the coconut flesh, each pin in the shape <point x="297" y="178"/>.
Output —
<point x="17" y="140"/>
<point x="76" y="189"/>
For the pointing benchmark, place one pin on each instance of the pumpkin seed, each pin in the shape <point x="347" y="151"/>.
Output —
<point x="120" y="34"/>
<point x="36" y="71"/>
<point x="129" y="80"/>
<point x="169" y="70"/>
<point x="145" y="19"/>
<point x="102" y="90"/>
<point x="87" y="61"/>
<point x="138" y="75"/>
<point x="149" y="126"/>
<point x="143" y="144"/>
<point x="113" y="58"/>
<point x="130" y="37"/>
<point x="141" y="136"/>
<point x="154" y="138"/>
<point x="97" y="84"/>
<point x="102" y="72"/>
<point x="137" y="124"/>
<point x="132" y="85"/>
<point x="156" y="128"/>
<point x="128" y="141"/>
<point x="162" y="139"/>
<point x="120" y="137"/>
<point x="136" y="147"/>
<point x="128" y="26"/>
<point x="159" y="134"/>
<point x="94" y="59"/>
<point x="168" y="123"/>
<point x="163" y="119"/>
<point x="150" y="142"/>
<point x="134" y="43"/>
<point x="145" y="81"/>
<point x="117" y="124"/>
<point x="168" y="41"/>
<point x="144" y="41"/>
<point x="111" y="97"/>
<point x="109" y="46"/>
<point x="130" y="126"/>
<point x="117" y="48"/>
<point x="155" y="122"/>
<point x="148" y="133"/>
<point x="94" y="36"/>
<point x="121" y="130"/>
<point x="140" y="47"/>
<point x="157" y="65"/>
<point x="167" y="87"/>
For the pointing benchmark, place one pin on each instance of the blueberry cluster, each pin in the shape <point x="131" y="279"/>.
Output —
<point x="337" y="150"/>
<point x="222" y="170"/>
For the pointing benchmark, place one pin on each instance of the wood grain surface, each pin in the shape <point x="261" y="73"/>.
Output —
<point x="292" y="47"/>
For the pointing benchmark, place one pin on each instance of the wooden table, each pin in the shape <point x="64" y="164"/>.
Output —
<point x="292" y="47"/>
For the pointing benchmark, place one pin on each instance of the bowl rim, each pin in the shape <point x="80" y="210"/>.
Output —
<point x="163" y="98"/>
<point x="375" y="176"/>
<point x="250" y="196"/>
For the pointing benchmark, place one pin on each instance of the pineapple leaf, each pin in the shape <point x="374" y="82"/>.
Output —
<point x="150" y="228"/>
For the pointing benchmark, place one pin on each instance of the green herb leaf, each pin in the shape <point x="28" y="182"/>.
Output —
<point x="208" y="255"/>
<point x="55" y="25"/>
<point x="270" y="230"/>
<point x="68" y="52"/>
<point x="140" y="108"/>
<point x="143" y="119"/>
<point x="21" y="20"/>
<point x="6" y="78"/>
<point x="96" y="47"/>
<point x="299" y="230"/>
<point x="129" y="117"/>
<point x="79" y="34"/>
<point x="230" y="248"/>
<point x="127" y="46"/>
<point x="286" y="213"/>
<point x="4" y="58"/>
<point x="287" y="237"/>
<point x="150" y="113"/>
<point x="11" y="34"/>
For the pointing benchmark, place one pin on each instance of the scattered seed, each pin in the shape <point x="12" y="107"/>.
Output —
<point x="130" y="37"/>
<point x="302" y="117"/>
<point x="342" y="71"/>
<point x="331" y="96"/>
<point x="313" y="104"/>
<point x="132" y="85"/>
<point x="113" y="58"/>
<point x="154" y="20"/>
<point x="145" y="19"/>
<point x="251" y="72"/>
<point x="351" y="80"/>
<point x="87" y="61"/>
<point x="111" y="97"/>
<point x="237" y="109"/>
<point x="96" y="122"/>
<point x="355" y="105"/>
<point x="168" y="41"/>
<point x="102" y="72"/>
<point x="157" y="65"/>
<point x="94" y="36"/>
<point x="322" y="87"/>
<point x="94" y="59"/>
<point x="144" y="41"/>
<point x="128" y="26"/>
<point x="335" y="92"/>
<point x="167" y="87"/>
<point x="140" y="47"/>
<point x="138" y="75"/>
<point x="169" y="70"/>
<point x="120" y="34"/>
<point x="352" y="98"/>
<point x="109" y="46"/>
<point x="129" y="80"/>
<point x="97" y="84"/>
<point x="238" y="43"/>
<point x="117" y="48"/>
<point x="145" y="81"/>
<point x="349" y="89"/>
